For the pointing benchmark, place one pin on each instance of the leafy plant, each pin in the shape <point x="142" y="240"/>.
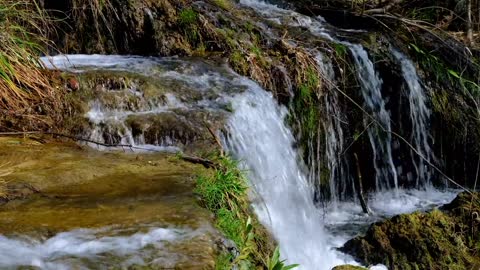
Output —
<point x="276" y="264"/>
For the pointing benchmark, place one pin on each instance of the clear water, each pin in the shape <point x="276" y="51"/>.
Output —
<point x="85" y="248"/>
<point x="377" y="121"/>
<point x="420" y="118"/>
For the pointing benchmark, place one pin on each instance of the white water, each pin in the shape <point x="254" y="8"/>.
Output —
<point x="79" y="248"/>
<point x="379" y="131"/>
<point x="283" y="198"/>
<point x="258" y="136"/>
<point x="420" y="117"/>
<point x="204" y="86"/>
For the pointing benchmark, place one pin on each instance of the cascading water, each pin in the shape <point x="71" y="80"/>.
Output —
<point x="334" y="135"/>
<point x="420" y="116"/>
<point x="379" y="128"/>
<point x="258" y="136"/>
<point x="282" y="195"/>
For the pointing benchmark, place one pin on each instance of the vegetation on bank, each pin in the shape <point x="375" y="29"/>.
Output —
<point x="28" y="97"/>
<point x="224" y="191"/>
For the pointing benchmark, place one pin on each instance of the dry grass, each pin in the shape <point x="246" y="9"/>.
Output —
<point x="25" y="88"/>
<point x="99" y="12"/>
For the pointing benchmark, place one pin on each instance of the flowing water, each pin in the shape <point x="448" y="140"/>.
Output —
<point x="283" y="198"/>
<point x="377" y="121"/>
<point x="257" y="135"/>
<point x="420" y="117"/>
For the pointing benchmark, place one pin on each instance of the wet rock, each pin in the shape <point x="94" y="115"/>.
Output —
<point x="441" y="239"/>
<point x="120" y="108"/>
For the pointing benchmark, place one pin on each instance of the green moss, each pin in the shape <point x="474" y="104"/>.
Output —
<point x="188" y="17"/>
<point x="340" y="49"/>
<point x="223" y="261"/>
<point x="435" y="240"/>
<point x="225" y="4"/>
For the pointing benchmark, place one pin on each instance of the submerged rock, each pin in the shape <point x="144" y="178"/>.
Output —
<point x="448" y="238"/>
<point x="74" y="207"/>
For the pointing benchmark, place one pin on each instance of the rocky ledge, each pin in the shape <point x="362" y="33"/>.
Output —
<point x="445" y="238"/>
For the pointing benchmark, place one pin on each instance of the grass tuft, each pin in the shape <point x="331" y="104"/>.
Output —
<point x="25" y="88"/>
<point x="224" y="192"/>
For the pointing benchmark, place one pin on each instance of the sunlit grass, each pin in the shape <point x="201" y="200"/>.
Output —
<point x="25" y="88"/>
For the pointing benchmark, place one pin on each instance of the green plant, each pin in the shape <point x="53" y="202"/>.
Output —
<point x="224" y="192"/>
<point x="276" y="264"/>
<point x="187" y="17"/>
<point x="224" y="261"/>
<point x="188" y="20"/>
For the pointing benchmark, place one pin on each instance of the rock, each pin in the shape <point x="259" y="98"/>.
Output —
<point x="57" y="188"/>
<point x="441" y="239"/>
<point x="73" y="84"/>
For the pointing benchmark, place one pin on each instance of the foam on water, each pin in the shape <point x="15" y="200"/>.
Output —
<point x="73" y="249"/>
<point x="283" y="202"/>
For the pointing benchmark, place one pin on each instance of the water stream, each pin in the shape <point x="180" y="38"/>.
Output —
<point x="257" y="135"/>
<point x="377" y="121"/>
<point x="282" y="195"/>
<point x="420" y="117"/>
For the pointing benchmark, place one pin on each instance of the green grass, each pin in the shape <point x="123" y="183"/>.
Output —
<point x="224" y="192"/>
<point x="188" y="21"/>
<point x="187" y="17"/>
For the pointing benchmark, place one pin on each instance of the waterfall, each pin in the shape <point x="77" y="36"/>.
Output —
<point x="257" y="135"/>
<point x="420" y="117"/>
<point x="379" y="128"/>
<point x="334" y="134"/>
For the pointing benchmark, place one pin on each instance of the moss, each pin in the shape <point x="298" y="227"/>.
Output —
<point x="435" y="240"/>
<point x="225" y="4"/>
<point x="188" y="17"/>
<point x="223" y="261"/>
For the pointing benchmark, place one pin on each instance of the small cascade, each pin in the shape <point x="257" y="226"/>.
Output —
<point x="420" y="117"/>
<point x="159" y="104"/>
<point x="334" y="134"/>
<point x="257" y="135"/>
<point x="379" y="128"/>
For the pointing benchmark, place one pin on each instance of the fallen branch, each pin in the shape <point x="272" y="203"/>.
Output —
<point x="196" y="160"/>
<point x="360" y="193"/>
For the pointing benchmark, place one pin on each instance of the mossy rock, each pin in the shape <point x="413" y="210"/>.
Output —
<point x="441" y="239"/>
